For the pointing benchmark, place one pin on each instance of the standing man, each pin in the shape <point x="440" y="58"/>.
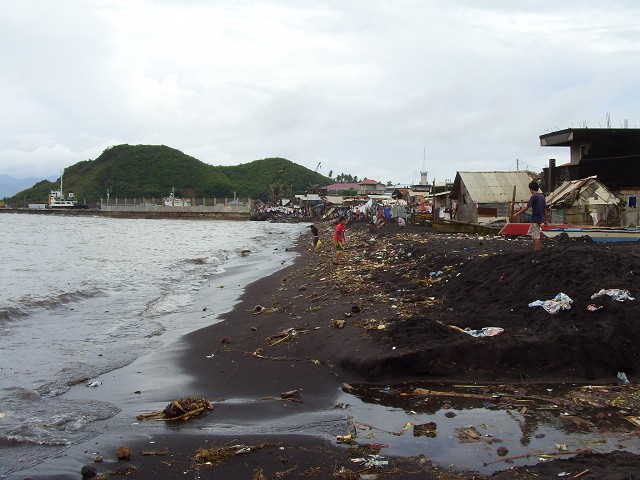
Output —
<point x="340" y="238"/>
<point x="538" y="205"/>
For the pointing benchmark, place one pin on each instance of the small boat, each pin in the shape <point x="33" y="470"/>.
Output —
<point x="523" y="228"/>
<point x="453" y="226"/>
<point x="597" y="234"/>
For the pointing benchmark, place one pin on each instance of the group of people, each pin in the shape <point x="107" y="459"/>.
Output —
<point x="537" y="204"/>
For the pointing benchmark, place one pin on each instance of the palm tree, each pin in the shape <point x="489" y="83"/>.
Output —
<point x="275" y="193"/>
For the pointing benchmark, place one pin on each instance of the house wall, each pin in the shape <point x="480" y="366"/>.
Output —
<point x="371" y="190"/>
<point x="466" y="210"/>
<point x="583" y="214"/>
<point x="631" y="214"/>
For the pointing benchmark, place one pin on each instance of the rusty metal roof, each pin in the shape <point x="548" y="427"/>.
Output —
<point x="494" y="187"/>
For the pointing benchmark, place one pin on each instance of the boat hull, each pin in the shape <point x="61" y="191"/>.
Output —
<point x="523" y="228"/>
<point x="598" y="234"/>
<point x="451" y="226"/>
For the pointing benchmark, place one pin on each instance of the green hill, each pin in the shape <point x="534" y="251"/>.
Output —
<point x="154" y="170"/>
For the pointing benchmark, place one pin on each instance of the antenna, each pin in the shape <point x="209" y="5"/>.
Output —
<point x="608" y="119"/>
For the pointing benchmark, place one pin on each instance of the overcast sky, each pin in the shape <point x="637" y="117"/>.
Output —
<point x="377" y="89"/>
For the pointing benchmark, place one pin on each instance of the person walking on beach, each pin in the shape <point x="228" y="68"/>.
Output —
<point x="340" y="238"/>
<point x="316" y="237"/>
<point x="538" y="205"/>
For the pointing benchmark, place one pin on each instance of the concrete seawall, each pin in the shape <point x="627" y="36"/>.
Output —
<point x="137" y="212"/>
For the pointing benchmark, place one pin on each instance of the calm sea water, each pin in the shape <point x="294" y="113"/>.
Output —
<point x="82" y="296"/>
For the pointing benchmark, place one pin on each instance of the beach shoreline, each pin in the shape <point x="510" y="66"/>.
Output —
<point x="248" y="363"/>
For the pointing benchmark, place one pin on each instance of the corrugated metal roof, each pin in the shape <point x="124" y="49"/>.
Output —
<point x="567" y="187"/>
<point x="599" y="193"/>
<point x="309" y="197"/>
<point x="495" y="187"/>
<point x="335" y="199"/>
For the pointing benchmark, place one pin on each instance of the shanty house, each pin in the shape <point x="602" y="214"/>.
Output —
<point x="583" y="202"/>
<point x="486" y="196"/>
<point x="613" y="155"/>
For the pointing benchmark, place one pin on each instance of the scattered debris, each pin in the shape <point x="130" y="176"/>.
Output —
<point x="217" y="455"/>
<point x="406" y="427"/>
<point x="88" y="471"/>
<point x="480" y="332"/>
<point x="633" y="420"/>
<point x="285" y="335"/>
<point x="154" y="453"/>
<point x="182" y="409"/>
<point x="348" y="439"/>
<point x="346" y="474"/>
<point x="615" y="293"/>
<point x="540" y="455"/>
<point x="469" y="434"/>
<point x="290" y="394"/>
<point x="123" y="453"/>
<point x="426" y="430"/>
<point x="373" y="461"/>
<point x="262" y="309"/>
<point x="502" y="451"/>
<point x="623" y="378"/>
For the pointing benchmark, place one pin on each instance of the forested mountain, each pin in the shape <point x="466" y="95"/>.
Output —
<point x="154" y="170"/>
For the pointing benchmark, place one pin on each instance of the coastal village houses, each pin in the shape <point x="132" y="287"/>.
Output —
<point x="611" y="155"/>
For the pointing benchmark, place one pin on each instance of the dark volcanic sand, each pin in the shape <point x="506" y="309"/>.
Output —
<point x="495" y="290"/>
<point x="397" y="318"/>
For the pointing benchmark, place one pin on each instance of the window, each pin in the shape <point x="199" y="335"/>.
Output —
<point x="584" y="149"/>
<point x="632" y="202"/>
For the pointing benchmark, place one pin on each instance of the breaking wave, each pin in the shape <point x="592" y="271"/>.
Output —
<point x="34" y="436"/>
<point x="25" y="306"/>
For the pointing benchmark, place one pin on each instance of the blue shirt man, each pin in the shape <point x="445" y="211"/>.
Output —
<point x="538" y="205"/>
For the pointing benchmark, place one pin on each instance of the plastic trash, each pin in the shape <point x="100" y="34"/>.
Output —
<point x="560" y="302"/>
<point x="615" y="293"/>
<point x="623" y="378"/>
<point x="484" y="332"/>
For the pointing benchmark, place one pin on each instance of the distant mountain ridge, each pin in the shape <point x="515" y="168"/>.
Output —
<point x="154" y="170"/>
<point x="10" y="186"/>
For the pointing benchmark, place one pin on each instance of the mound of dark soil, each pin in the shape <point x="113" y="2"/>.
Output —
<point x="489" y="282"/>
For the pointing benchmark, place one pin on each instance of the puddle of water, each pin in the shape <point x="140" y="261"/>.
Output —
<point x="471" y="424"/>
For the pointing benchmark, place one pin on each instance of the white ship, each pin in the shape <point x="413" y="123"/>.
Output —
<point x="57" y="200"/>
<point x="172" y="201"/>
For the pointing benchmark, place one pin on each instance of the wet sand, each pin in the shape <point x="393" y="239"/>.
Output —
<point x="397" y="328"/>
